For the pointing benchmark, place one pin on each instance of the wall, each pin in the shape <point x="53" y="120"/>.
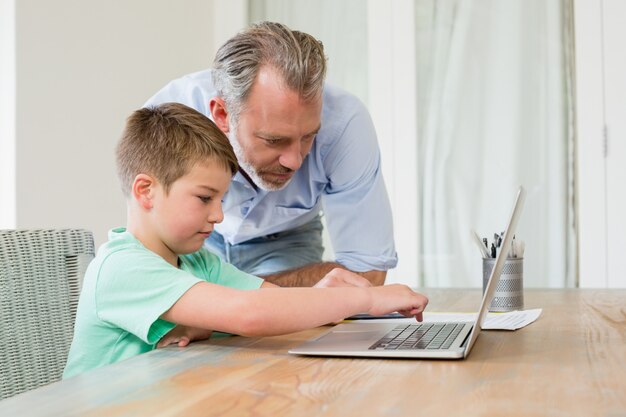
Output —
<point x="601" y="154"/>
<point x="7" y="114"/>
<point x="81" y="68"/>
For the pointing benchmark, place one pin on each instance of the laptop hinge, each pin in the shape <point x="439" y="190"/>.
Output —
<point x="467" y="336"/>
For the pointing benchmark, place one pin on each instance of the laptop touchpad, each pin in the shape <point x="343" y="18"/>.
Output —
<point x="348" y="338"/>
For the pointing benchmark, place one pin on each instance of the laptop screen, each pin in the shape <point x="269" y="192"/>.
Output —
<point x="497" y="269"/>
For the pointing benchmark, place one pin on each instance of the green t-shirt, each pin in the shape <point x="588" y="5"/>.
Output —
<point x="126" y="289"/>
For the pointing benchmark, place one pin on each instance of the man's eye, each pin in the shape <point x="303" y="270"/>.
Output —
<point x="272" y="141"/>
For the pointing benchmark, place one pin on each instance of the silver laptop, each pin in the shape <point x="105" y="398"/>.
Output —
<point x="413" y="340"/>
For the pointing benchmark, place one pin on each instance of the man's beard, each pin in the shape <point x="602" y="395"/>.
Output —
<point x="254" y="174"/>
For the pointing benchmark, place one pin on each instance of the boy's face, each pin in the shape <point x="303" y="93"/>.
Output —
<point x="184" y="218"/>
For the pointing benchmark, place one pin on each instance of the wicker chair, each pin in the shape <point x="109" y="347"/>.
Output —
<point x="41" y="273"/>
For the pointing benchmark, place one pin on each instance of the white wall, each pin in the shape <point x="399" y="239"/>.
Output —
<point x="7" y="114"/>
<point x="601" y="155"/>
<point x="82" y="67"/>
<point x="615" y="87"/>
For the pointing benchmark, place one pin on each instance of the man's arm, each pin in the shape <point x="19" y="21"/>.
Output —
<point x="309" y="275"/>
<point x="362" y="238"/>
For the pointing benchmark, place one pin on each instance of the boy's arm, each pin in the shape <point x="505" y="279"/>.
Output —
<point x="183" y="335"/>
<point x="274" y="311"/>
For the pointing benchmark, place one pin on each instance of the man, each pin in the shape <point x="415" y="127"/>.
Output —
<point x="302" y="146"/>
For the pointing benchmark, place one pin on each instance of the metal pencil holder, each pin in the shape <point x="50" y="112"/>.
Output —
<point x="509" y="294"/>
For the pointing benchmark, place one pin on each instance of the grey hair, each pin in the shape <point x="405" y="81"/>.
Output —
<point x="298" y="57"/>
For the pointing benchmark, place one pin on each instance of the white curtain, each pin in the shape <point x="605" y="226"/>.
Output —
<point x="494" y="111"/>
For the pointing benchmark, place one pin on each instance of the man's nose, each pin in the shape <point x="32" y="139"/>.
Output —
<point x="292" y="157"/>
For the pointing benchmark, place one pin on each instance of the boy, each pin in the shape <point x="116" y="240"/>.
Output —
<point x="153" y="283"/>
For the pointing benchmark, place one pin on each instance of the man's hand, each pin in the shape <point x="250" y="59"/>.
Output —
<point x="183" y="335"/>
<point x="339" y="277"/>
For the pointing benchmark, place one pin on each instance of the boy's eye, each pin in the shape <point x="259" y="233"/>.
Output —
<point x="204" y="199"/>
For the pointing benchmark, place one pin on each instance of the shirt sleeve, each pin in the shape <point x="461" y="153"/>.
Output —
<point x="193" y="90"/>
<point x="356" y="204"/>
<point x="135" y="288"/>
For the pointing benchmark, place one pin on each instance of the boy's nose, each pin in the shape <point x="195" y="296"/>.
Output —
<point x="216" y="215"/>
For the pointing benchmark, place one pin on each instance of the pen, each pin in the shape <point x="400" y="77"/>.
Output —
<point x="493" y="250"/>
<point x="513" y="251"/>
<point x="481" y="248"/>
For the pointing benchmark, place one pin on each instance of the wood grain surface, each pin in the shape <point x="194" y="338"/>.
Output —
<point x="570" y="362"/>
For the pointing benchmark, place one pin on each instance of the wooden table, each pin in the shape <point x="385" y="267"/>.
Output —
<point x="571" y="361"/>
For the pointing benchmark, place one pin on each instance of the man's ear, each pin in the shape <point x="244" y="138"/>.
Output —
<point x="219" y="113"/>
<point x="143" y="190"/>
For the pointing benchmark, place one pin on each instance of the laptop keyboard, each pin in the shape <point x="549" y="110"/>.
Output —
<point x="419" y="336"/>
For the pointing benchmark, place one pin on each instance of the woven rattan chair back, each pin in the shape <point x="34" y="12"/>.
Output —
<point x="41" y="273"/>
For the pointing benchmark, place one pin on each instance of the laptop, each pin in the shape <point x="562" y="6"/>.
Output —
<point x="414" y="340"/>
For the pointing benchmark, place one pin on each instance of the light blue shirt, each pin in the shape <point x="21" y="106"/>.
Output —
<point x="341" y="175"/>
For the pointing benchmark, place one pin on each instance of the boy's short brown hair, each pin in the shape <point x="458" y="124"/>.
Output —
<point x="166" y="141"/>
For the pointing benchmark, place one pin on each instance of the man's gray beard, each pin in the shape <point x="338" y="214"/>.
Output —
<point x="247" y="167"/>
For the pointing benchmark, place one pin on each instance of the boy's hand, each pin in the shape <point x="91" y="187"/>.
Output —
<point x="183" y="335"/>
<point x="339" y="277"/>
<point x="396" y="297"/>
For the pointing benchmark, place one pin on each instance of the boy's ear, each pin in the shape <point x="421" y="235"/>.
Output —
<point x="219" y="113"/>
<point x="143" y="190"/>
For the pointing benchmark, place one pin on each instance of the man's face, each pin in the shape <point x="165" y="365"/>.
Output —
<point x="274" y="132"/>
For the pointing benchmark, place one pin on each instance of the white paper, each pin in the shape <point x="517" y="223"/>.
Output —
<point x="511" y="320"/>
